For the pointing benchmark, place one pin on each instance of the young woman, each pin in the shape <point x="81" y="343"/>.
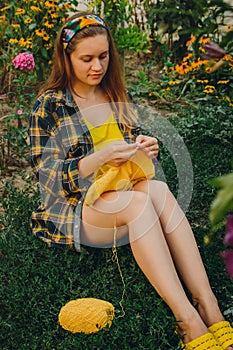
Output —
<point x="82" y="131"/>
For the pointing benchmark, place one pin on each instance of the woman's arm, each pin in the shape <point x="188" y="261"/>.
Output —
<point x="115" y="154"/>
<point x="55" y="150"/>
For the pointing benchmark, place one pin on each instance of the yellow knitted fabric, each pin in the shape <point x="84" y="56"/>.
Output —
<point x="206" y="341"/>
<point x="86" y="315"/>
<point x="116" y="178"/>
<point x="223" y="333"/>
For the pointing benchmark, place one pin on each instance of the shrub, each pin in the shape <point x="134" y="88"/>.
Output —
<point x="30" y="26"/>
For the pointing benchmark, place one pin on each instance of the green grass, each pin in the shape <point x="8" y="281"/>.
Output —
<point x="36" y="281"/>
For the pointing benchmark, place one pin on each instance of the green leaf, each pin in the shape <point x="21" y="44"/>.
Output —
<point x="44" y="52"/>
<point x="32" y="26"/>
<point x="223" y="202"/>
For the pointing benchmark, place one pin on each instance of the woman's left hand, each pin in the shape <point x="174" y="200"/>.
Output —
<point x="148" y="144"/>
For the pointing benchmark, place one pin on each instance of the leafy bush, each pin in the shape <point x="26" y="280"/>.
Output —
<point x="30" y="26"/>
<point x="118" y="14"/>
<point x="131" y="38"/>
<point x="18" y="206"/>
<point x="197" y="78"/>
<point x="177" y="21"/>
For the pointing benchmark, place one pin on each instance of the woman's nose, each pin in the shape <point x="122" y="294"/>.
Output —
<point x="96" y="65"/>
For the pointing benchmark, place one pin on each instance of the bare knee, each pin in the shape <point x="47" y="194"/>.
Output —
<point x="140" y="204"/>
<point x="159" y="187"/>
<point x="152" y="187"/>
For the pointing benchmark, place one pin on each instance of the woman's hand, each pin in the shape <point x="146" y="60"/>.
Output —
<point x="118" y="152"/>
<point x="115" y="154"/>
<point x="148" y="144"/>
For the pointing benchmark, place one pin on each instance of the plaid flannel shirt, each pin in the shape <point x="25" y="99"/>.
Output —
<point x="59" y="138"/>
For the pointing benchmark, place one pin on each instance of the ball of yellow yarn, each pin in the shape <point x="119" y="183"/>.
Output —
<point x="86" y="315"/>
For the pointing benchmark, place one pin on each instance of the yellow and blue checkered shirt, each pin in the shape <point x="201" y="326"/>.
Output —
<point x="59" y="138"/>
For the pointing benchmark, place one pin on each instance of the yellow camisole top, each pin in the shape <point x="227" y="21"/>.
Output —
<point x="105" y="133"/>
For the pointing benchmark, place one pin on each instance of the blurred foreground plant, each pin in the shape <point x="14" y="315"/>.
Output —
<point x="221" y="214"/>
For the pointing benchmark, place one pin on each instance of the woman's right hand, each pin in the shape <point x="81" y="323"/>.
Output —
<point x="118" y="152"/>
<point x="115" y="154"/>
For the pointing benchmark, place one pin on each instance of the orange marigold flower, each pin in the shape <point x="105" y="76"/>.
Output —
<point x="50" y="3"/>
<point x="13" y="41"/>
<point x="28" y="20"/>
<point x="66" y="7"/>
<point x="49" y="24"/>
<point x="223" y="81"/>
<point x="204" y="41"/>
<point x="201" y="48"/>
<point x="187" y="57"/>
<point x="40" y="32"/>
<point x="228" y="57"/>
<point x="27" y="43"/>
<point x="209" y="89"/>
<point x="46" y="37"/>
<point x="35" y="8"/>
<point x="174" y="82"/>
<point x="199" y="62"/>
<point x="229" y="28"/>
<point x="53" y="14"/>
<point x="4" y="8"/>
<point x="48" y="45"/>
<point x="19" y="11"/>
<point x="182" y="68"/>
<point x="2" y="18"/>
<point x="205" y="81"/>
<point x="190" y="41"/>
<point x="228" y="99"/>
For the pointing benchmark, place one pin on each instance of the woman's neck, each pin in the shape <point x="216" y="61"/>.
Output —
<point x="93" y="104"/>
<point x="92" y="96"/>
<point x="86" y="92"/>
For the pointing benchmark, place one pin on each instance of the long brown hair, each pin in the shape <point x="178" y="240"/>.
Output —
<point x="61" y="74"/>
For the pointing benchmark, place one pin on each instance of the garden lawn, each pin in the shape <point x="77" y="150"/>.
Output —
<point x="36" y="281"/>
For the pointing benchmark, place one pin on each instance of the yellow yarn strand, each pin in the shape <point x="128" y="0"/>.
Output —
<point x="115" y="259"/>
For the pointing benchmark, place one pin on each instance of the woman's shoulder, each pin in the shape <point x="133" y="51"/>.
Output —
<point x="49" y="99"/>
<point x="49" y="108"/>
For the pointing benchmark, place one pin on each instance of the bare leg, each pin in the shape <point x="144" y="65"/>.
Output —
<point x="183" y="249"/>
<point x="150" y="250"/>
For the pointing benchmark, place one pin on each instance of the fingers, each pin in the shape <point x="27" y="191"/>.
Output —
<point x="146" y="141"/>
<point x="123" y="146"/>
<point x="149" y="145"/>
<point x="119" y="152"/>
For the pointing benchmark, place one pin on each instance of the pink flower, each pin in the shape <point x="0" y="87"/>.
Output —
<point x="19" y="111"/>
<point x="228" y="239"/>
<point x="24" y="61"/>
<point x="227" y="255"/>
